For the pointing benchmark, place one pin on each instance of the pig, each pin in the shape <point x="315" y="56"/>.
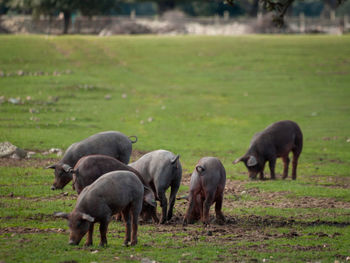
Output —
<point x="206" y="187"/>
<point x="161" y="169"/>
<point x="89" y="168"/>
<point x="277" y="140"/>
<point x="114" y="192"/>
<point x="111" y="143"/>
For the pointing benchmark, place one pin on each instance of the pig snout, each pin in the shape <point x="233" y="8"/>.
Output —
<point x="253" y="176"/>
<point x="72" y="242"/>
<point x="74" y="239"/>
<point x="53" y="187"/>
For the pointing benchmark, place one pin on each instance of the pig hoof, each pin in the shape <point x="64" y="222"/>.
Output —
<point x="206" y="224"/>
<point x="103" y="244"/>
<point x="126" y="243"/>
<point x="88" y="244"/>
<point x="220" y="221"/>
<point x="133" y="243"/>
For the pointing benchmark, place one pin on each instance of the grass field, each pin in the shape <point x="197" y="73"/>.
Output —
<point x="194" y="96"/>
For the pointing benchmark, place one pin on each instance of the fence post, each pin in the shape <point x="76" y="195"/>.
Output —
<point x="216" y="19"/>
<point x="226" y="15"/>
<point x="132" y="14"/>
<point x="346" y="22"/>
<point x="302" y="23"/>
<point x="332" y="15"/>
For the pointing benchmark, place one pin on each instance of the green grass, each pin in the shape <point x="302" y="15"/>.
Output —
<point x="207" y="96"/>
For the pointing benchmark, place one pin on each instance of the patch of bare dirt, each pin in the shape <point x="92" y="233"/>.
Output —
<point x="29" y="230"/>
<point x="248" y="228"/>
<point x="331" y="181"/>
<point x="136" y="154"/>
<point x="31" y="162"/>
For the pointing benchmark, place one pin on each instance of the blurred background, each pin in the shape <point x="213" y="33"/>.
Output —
<point x="109" y="17"/>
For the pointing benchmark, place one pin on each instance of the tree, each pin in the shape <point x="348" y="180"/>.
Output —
<point x="280" y="7"/>
<point x="67" y="7"/>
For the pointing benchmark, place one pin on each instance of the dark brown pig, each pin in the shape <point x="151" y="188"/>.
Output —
<point x="277" y="140"/>
<point x="89" y="168"/>
<point x="114" y="192"/>
<point x="111" y="143"/>
<point x="206" y="187"/>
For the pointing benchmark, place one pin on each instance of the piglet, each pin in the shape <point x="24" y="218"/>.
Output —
<point x="206" y="187"/>
<point x="114" y="192"/>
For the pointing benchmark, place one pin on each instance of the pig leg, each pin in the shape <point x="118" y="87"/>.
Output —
<point x="272" y="164"/>
<point x="191" y="200"/>
<point x="163" y="204"/>
<point x="286" y="161"/>
<point x="206" y="207"/>
<point x="103" y="232"/>
<point x="218" y="205"/>
<point x="89" y="237"/>
<point x="154" y="216"/>
<point x="261" y="175"/>
<point x="134" y="228"/>
<point x="295" y="164"/>
<point x="126" y="218"/>
<point x="172" y="197"/>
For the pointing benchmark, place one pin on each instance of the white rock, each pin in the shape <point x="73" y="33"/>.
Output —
<point x="14" y="100"/>
<point x="6" y="149"/>
<point x="58" y="151"/>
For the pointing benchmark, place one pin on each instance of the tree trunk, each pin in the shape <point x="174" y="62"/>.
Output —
<point x="253" y="12"/>
<point x="66" y="19"/>
<point x="329" y="5"/>
<point x="164" y="6"/>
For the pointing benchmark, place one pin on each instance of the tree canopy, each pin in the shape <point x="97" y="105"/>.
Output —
<point x="280" y="7"/>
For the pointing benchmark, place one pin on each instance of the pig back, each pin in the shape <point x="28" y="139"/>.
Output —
<point x="111" y="143"/>
<point x="213" y="176"/>
<point x="91" y="167"/>
<point x="112" y="192"/>
<point x="282" y="136"/>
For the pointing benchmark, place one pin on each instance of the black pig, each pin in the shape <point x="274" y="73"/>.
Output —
<point x="277" y="140"/>
<point x="111" y="143"/>
<point x="114" y="192"/>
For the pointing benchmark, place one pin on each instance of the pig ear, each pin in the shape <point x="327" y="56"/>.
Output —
<point x="67" y="168"/>
<point x="61" y="214"/>
<point x="87" y="217"/>
<point x="240" y="159"/>
<point x="52" y="166"/>
<point x="200" y="168"/>
<point x="149" y="197"/>
<point x="175" y="159"/>
<point x="252" y="161"/>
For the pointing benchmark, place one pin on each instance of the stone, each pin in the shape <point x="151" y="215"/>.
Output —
<point x="6" y="149"/>
<point x="14" y="100"/>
